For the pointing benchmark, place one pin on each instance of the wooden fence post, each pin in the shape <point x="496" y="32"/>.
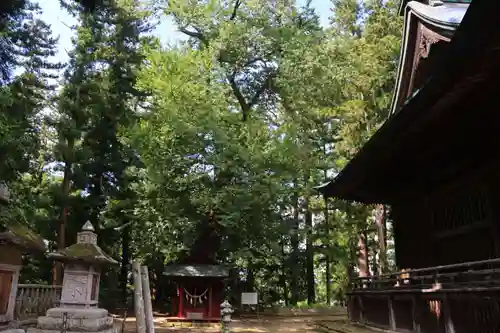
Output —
<point x="148" y="306"/>
<point x="140" y="320"/>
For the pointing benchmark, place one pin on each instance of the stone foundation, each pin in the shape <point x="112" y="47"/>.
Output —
<point x="78" y="320"/>
<point x="13" y="330"/>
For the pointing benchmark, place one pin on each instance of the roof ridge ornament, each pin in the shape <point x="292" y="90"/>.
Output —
<point x="435" y="3"/>
<point x="88" y="226"/>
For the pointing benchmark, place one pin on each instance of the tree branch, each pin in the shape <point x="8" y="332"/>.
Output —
<point x="194" y="34"/>
<point x="239" y="96"/>
<point x="237" y="4"/>
<point x="244" y="105"/>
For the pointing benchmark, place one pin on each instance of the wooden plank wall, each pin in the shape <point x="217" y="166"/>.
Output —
<point x="455" y="224"/>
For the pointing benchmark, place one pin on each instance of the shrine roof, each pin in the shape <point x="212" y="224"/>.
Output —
<point x="407" y="154"/>
<point x="449" y="14"/>
<point x="220" y="271"/>
<point x="89" y="253"/>
<point x="20" y="235"/>
<point x="444" y="18"/>
<point x="432" y="3"/>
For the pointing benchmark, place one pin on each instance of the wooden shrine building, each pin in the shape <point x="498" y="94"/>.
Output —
<point x="16" y="240"/>
<point x="199" y="280"/>
<point x="435" y="162"/>
<point x="200" y="290"/>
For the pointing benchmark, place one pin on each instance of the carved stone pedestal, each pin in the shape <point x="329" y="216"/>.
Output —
<point x="71" y="320"/>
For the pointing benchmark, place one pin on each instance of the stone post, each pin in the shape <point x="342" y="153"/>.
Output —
<point x="140" y="318"/>
<point x="225" y="311"/>
<point x="148" y="306"/>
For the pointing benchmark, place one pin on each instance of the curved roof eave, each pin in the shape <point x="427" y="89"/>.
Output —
<point x="447" y="15"/>
<point x="433" y="15"/>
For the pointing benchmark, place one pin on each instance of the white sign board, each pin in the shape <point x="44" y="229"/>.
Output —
<point x="249" y="299"/>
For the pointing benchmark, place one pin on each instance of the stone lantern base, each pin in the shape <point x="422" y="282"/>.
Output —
<point x="74" y="320"/>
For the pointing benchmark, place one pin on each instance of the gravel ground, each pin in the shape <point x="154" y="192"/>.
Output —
<point x="335" y="323"/>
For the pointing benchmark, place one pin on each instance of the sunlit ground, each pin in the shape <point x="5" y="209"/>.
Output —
<point x="335" y="323"/>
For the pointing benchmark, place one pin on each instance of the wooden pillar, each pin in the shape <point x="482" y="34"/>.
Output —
<point x="448" y="321"/>
<point x="415" y="315"/>
<point x="493" y="204"/>
<point x="361" y="310"/>
<point x="210" y="301"/>
<point x="181" y="301"/>
<point x="392" y="316"/>
<point x="9" y="280"/>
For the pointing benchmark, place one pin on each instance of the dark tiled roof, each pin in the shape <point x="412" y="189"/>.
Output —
<point x="386" y="164"/>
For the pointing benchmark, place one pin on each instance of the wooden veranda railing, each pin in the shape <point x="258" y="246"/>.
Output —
<point x="461" y="298"/>
<point x="34" y="300"/>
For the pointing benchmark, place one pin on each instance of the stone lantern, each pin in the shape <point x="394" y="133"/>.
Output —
<point x="78" y="309"/>
<point x="226" y="312"/>
<point x="4" y="193"/>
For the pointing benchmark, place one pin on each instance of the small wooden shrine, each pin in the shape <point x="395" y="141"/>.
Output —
<point x="16" y="239"/>
<point x="199" y="279"/>
<point x="433" y="162"/>
<point x="200" y="290"/>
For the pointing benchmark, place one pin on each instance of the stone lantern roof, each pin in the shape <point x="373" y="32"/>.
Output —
<point x="85" y="250"/>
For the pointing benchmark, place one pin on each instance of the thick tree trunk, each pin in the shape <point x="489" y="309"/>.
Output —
<point x="97" y="202"/>
<point x="311" y="294"/>
<point x="375" y="268"/>
<point x="160" y="283"/>
<point x="380" y="223"/>
<point x="61" y="242"/>
<point x="362" y="255"/>
<point x="294" y="283"/>
<point x="250" y="285"/>
<point x="125" y="264"/>
<point x="283" y="273"/>
<point x="328" y="277"/>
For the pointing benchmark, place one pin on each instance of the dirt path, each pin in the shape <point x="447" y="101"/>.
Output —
<point x="336" y="323"/>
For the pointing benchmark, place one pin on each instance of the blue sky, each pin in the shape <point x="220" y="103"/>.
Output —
<point x="61" y="22"/>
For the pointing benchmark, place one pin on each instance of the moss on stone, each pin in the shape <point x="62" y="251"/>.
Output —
<point x="89" y="253"/>
<point x="20" y="235"/>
